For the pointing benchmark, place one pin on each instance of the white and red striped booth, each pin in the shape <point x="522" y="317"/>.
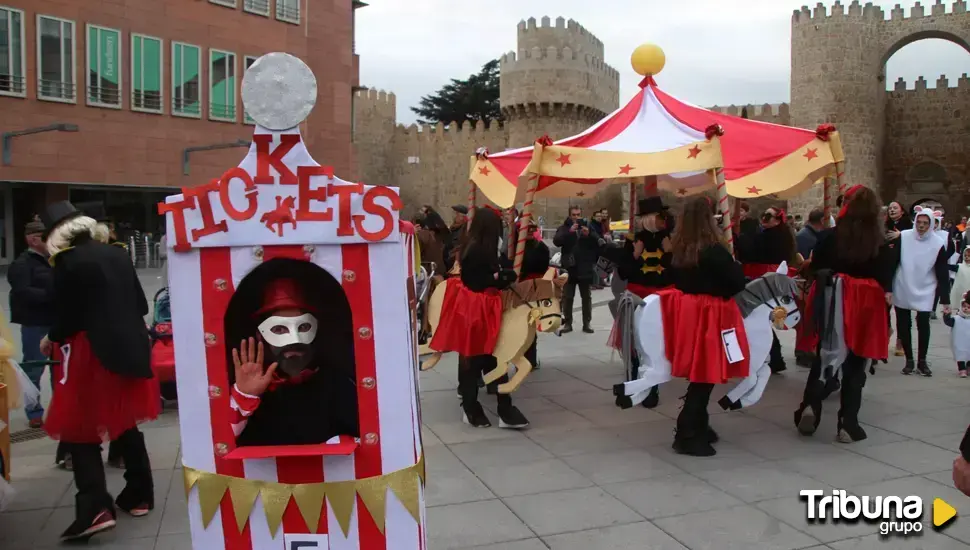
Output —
<point x="348" y="494"/>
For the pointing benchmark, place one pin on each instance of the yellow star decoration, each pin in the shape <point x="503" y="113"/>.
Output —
<point x="652" y="268"/>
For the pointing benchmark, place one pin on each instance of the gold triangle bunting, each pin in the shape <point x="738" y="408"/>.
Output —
<point x="342" y="495"/>
<point x="275" y="497"/>
<point x="211" y="491"/>
<point x="243" y="493"/>
<point x="373" y="493"/>
<point x="309" y="500"/>
<point x="190" y="476"/>
<point x="406" y="489"/>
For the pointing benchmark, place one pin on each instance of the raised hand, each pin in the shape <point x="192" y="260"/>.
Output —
<point x="248" y="360"/>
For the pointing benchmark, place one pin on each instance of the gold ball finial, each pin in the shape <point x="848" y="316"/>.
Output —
<point x="648" y="60"/>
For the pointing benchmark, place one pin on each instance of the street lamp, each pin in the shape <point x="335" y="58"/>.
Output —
<point x="8" y="136"/>
<point x="189" y="150"/>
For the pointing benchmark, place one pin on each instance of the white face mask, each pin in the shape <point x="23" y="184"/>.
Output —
<point x="280" y="332"/>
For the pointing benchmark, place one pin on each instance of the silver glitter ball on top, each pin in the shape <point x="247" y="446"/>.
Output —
<point x="279" y="91"/>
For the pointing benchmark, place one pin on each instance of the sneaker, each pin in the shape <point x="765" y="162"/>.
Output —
<point x="512" y="418"/>
<point x="850" y="434"/>
<point x="933" y="316"/>
<point x="909" y="368"/>
<point x="899" y="350"/>
<point x="923" y="368"/>
<point x="79" y="531"/>
<point x="712" y="436"/>
<point x="474" y="415"/>
<point x="963" y="374"/>
<point x="566" y="329"/>
<point x="588" y="330"/>
<point x="66" y="464"/>
<point x="36" y="423"/>
<point x="140" y="510"/>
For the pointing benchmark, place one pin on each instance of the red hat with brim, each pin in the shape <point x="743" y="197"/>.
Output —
<point x="282" y="294"/>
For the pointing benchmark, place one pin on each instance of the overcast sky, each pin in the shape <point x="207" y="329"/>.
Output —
<point x="718" y="51"/>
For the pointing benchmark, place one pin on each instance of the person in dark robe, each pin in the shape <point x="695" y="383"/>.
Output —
<point x="897" y="221"/>
<point x="535" y="264"/>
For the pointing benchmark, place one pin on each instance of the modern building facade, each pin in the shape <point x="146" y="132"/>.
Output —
<point x="115" y="105"/>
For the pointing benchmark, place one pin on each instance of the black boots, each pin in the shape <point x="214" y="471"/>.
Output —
<point x="138" y="496"/>
<point x="694" y="434"/>
<point x="776" y="361"/>
<point x="474" y="415"/>
<point x="653" y="398"/>
<point x="923" y="368"/>
<point x="909" y="368"/>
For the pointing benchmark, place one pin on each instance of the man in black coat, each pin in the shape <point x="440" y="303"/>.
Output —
<point x="580" y="242"/>
<point x="32" y="305"/>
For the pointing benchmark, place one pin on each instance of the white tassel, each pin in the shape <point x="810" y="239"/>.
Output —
<point x="29" y="392"/>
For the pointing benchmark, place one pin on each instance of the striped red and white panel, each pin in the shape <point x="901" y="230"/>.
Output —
<point x="373" y="277"/>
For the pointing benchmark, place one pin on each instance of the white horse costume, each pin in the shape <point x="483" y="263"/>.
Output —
<point x="765" y="302"/>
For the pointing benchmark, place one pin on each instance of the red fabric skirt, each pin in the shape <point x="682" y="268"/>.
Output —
<point x="470" y="321"/>
<point x="91" y="403"/>
<point x="753" y="271"/>
<point x="642" y="291"/>
<point x="806" y="333"/>
<point x="866" y="318"/>
<point x="692" y="335"/>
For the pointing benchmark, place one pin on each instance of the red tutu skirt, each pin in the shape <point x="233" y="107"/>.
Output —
<point x="692" y="335"/>
<point x="470" y="321"/>
<point x="806" y="333"/>
<point x="753" y="271"/>
<point x="614" y="341"/>
<point x="866" y="318"/>
<point x="91" y="403"/>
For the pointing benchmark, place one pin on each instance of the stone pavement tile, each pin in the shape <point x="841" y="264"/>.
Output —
<point x="780" y="444"/>
<point x="928" y="540"/>
<point x="527" y="544"/>
<point x="943" y="478"/>
<point x="914" y="400"/>
<point x="566" y="387"/>
<point x="670" y="495"/>
<point x="434" y="381"/>
<point x="174" y="542"/>
<point x="499" y="452"/>
<point x="428" y="438"/>
<point x="454" y="486"/>
<point x="756" y="482"/>
<point x="21" y="529"/>
<point x="581" y="441"/>
<point x="876" y="436"/>
<point x="729" y="426"/>
<point x="648" y="432"/>
<point x="793" y="511"/>
<point x="35" y="494"/>
<point x="620" y="466"/>
<point x="473" y="524"/>
<point x="840" y="469"/>
<point x="740" y="527"/>
<point x="572" y="510"/>
<point x="915" y="425"/>
<point x="508" y="480"/>
<point x="728" y="456"/>
<point x="107" y="541"/>
<point x="584" y="400"/>
<point x="609" y="415"/>
<point x="961" y="413"/>
<point x="528" y="405"/>
<point x="129" y="529"/>
<point x="548" y="374"/>
<point x="555" y="421"/>
<point x="913" y="456"/>
<point x="116" y="483"/>
<point x="633" y="536"/>
<point x="455" y="431"/>
<point x="927" y="490"/>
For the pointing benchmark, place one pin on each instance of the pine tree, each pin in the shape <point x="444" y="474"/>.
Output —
<point x="475" y="99"/>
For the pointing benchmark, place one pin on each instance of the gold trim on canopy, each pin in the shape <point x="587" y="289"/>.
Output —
<point x="807" y="165"/>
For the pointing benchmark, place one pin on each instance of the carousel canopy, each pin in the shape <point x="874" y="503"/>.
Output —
<point x="656" y="134"/>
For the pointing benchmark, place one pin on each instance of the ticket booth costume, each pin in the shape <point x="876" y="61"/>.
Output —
<point x="100" y="341"/>
<point x="849" y="301"/>
<point x="315" y="268"/>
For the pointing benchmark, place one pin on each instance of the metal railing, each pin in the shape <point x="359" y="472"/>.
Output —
<point x="12" y="83"/>
<point x="256" y="6"/>
<point x="219" y="110"/>
<point x="288" y="11"/>
<point x="148" y="100"/>
<point x="144" y="251"/>
<point x="104" y="96"/>
<point x="56" y="89"/>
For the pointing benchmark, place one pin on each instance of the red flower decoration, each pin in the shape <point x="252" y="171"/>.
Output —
<point x="545" y="141"/>
<point x="713" y="130"/>
<point x="823" y="131"/>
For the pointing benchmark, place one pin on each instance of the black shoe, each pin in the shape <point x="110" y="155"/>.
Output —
<point x="807" y="418"/>
<point x="908" y="369"/>
<point x="693" y="446"/>
<point x="511" y="418"/>
<point x="588" y="330"/>
<point x="850" y="434"/>
<point x="566" y="329"/>
<point x="933" y="316"/>
<point x="777" y="367"/>
<point x="803" y="361"/>
<point x="923" y="368"/>
<point x="712" y="436"/>
<point x="474" y="415"/>
<point x="653" y="398"/>
<point x="82" y="530"/>
<point x="728" y="405"/>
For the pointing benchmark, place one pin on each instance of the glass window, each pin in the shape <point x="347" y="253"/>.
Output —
<point x="222" y="85"/>
<point x="55" y="61"/>
<point x="227" y="3"/>
<point x="260" y="7"/>
<point x="11" y="52"/>
<point x="186" y="75"/>
<point x="146" y="73"/>
<point x="288" y="10"/>
<point x="104" y="69"/>
<point x="248" y="61"/>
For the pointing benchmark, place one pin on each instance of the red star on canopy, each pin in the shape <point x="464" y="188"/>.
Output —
<point x="581" y="194"/>
<point x="626" y="169"/>
<point x="754" y="190"/>
<point x="811" y="154"/>
<point x="694" y="151"/>
<point x="681" y="192"/>
<point x="563" y="159"/>
<point x="483" y="170"/>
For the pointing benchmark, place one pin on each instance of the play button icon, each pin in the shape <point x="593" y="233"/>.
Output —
<point x="943" y="513"/>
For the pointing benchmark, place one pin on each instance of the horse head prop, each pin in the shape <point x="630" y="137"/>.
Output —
<point x="529" y="307"/>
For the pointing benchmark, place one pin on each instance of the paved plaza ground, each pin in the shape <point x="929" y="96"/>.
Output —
<point x="587" y="475"/>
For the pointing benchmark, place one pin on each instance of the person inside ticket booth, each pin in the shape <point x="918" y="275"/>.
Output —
<point x="291" y="357"/>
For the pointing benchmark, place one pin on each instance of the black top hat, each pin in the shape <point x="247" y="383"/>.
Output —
<point x="460" y="208"/>
<point x="650" y="205"/>
<point x="56" y="214"/>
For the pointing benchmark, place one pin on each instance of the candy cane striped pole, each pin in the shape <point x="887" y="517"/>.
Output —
<point x="633" y="204"/>
<point x="724" y="207"/>
<point x="828" y="184"/>
<point x="524" y="220"/>
<point x="472" y="199"/>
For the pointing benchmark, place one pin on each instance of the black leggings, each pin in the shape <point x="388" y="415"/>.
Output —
<point x="904" y="330"/>
<point x="92" y="491"/>
<point x="694" y="419"/>
<point x="470" y="371"/>
<point x="853" y="380"/>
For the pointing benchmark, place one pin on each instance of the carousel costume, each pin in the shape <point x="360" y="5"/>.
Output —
<point x="849" y="301"/>
<point x="101" y="341"/>
<point x="310" y="339"/>
<point x="647" y="273"/>
<point x="762" y="252"/>
<point x="959" y="323"/>
<point x="535" y="264"/>
<point x="695" y="314"/>
<point x="921" y="275"/>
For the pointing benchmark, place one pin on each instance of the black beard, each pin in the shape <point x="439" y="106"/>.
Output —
<point x="292" y="366"/>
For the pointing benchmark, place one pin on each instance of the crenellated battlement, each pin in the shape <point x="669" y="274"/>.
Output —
<point x="754" y="112"/>
<point x="922" y="85"/>
<point x="820" y="14"/>
<point x="468" y="131"/>
<point x="559" y="33"/>
<point x="552" y="57"/>
<point x="379" y="101"/>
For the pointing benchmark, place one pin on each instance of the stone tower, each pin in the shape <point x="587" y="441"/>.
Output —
<point x="838" y="63"/>
<point x="557" y="84"/>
